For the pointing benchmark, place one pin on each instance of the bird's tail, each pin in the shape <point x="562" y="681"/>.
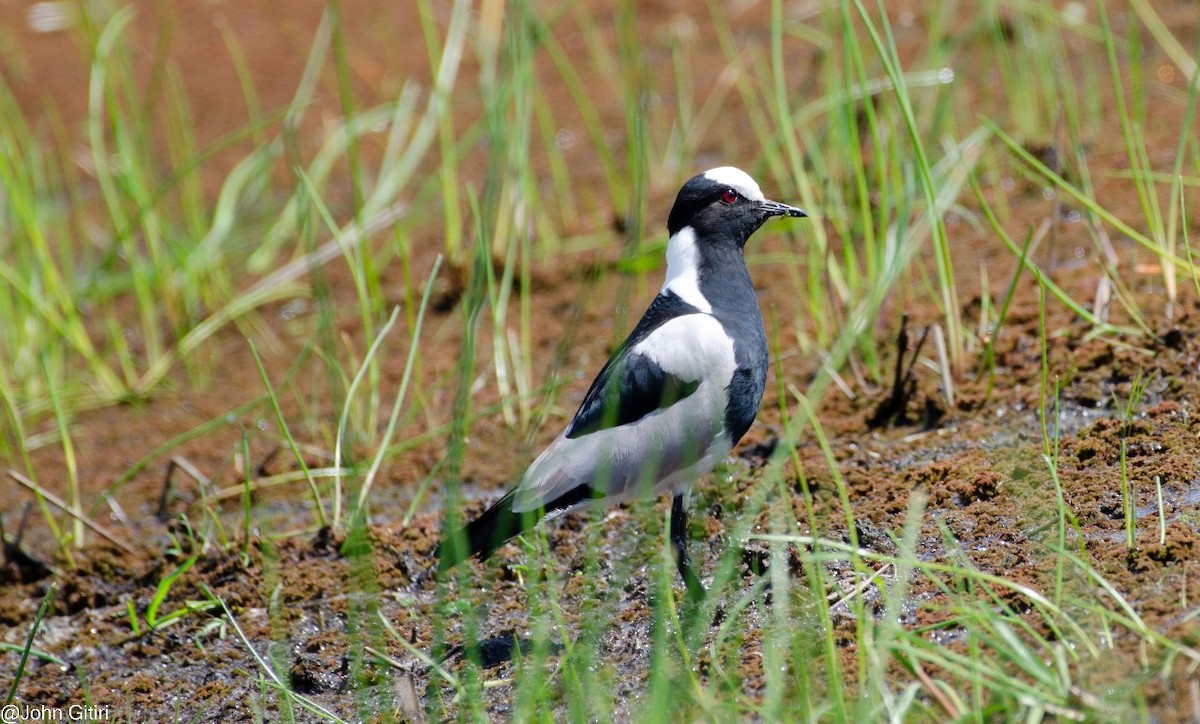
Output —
<point x="485" y="534"/>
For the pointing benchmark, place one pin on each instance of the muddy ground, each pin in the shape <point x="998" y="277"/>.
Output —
<point x="289" y="586"/>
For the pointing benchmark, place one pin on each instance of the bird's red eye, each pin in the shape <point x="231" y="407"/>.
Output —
<point x="729" y="196"/>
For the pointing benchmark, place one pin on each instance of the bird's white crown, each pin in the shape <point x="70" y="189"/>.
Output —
<point x="736" y="178"/>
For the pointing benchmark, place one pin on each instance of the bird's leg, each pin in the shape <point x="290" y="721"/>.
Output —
<point x="678" y="533"/>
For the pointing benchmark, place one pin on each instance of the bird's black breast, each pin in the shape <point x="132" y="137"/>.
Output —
<point x="725" y="283"/>
<point x="745" y="395"/>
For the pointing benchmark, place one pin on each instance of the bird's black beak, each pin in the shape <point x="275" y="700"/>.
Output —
<point x="774" y="208"/>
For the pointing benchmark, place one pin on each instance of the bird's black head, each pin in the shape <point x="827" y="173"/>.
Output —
<point x="725" y="203"/>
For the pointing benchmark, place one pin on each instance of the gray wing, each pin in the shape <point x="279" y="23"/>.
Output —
<point x="667" y="425"/>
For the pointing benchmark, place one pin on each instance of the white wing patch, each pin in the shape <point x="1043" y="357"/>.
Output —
<point x="738" y="179"/>
<point x="666" y="450"/>
<point x="683" y="269"/>
<point x="691" y="347"/>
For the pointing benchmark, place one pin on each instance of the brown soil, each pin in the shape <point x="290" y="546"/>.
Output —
<point x="298" y="596"/>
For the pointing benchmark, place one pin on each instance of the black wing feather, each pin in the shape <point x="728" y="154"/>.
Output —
<point x="632" y="386"/>
<point x="629" y="387"/>
<point x="484" y="534"/>
<point x="497" y="525"/>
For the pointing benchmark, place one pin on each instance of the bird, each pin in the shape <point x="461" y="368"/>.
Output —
<point x="673" y="398"/>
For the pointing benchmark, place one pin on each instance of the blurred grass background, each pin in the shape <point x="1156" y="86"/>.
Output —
<point x="378" y="199"/>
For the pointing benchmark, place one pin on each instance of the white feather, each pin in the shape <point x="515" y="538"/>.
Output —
<point x="691" y="347"/>
<point x="619" y="459"/>
<point x="738" y="179"/>
<point x="683" y="269"/>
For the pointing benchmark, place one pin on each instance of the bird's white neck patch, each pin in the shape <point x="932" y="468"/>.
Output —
<point x="683" y="269"/>
<point x="738" y="179"/>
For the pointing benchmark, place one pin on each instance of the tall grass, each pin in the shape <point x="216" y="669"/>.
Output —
<point x="1007" y="664"/>
<point x="106" y="299"/>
